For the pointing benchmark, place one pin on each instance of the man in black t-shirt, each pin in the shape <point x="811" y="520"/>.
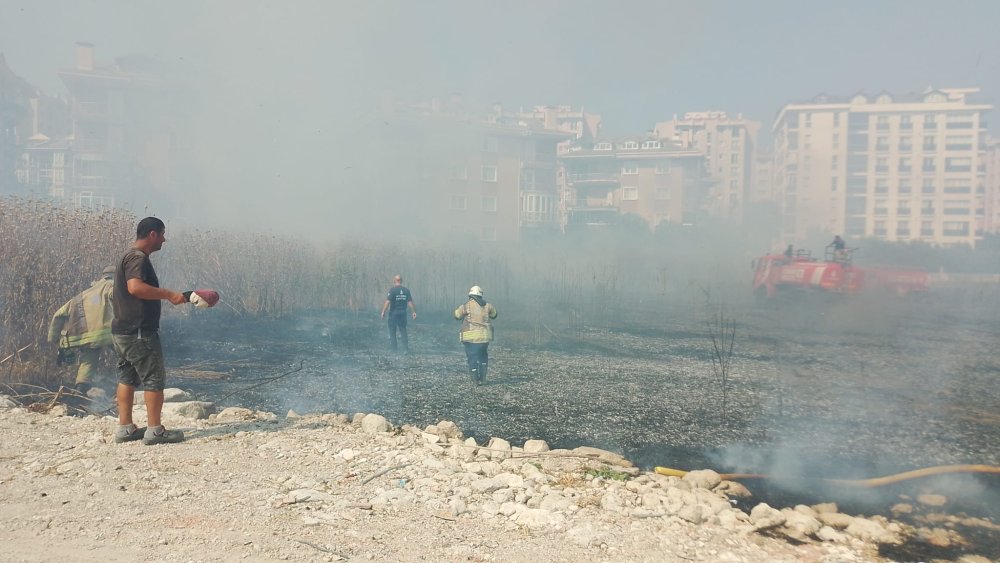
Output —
<point x="135" y="335"/>
<point x="396" y="301"/>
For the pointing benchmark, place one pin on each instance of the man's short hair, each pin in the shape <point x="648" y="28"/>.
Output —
<point x="149" y="224"/>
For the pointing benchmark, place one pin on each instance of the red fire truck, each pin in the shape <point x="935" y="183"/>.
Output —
<point x="834" y="274"/>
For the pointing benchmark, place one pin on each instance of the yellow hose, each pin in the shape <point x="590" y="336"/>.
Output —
<point x="864" y="483"/>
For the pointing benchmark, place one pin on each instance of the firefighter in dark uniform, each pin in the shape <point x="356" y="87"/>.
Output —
<point x="396" y="302"/>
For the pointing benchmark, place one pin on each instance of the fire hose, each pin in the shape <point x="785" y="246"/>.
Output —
<point x="861" y="483"/>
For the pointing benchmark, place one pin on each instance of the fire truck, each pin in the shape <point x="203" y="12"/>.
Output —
<point x="836" y="273"/>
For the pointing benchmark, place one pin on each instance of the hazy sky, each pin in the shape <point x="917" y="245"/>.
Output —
<point x="633" y="62"/>
<point x="286" y="86"/>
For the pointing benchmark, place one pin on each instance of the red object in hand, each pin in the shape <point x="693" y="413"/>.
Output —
<point x="203" y="297"/>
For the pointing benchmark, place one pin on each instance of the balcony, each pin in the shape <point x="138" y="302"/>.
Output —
<point x="905" y="168"/>
<point x="592" y="177"/>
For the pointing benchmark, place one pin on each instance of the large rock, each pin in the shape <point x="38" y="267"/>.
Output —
<point x="703" y="478"/>
<point x="448" y="429"/>
<point x="197" y="410"/>
<point x="536" y="446"/>
<point x="538" y="518"/>
<point x="235" y="414"/>
<point x="374" y="423"/>
<point x="763" y="516"/>
<point x="175" y="395"/>
<point x="498" y="448"/>
<point x="871" y="531"/>
<point x="7" y="403"/>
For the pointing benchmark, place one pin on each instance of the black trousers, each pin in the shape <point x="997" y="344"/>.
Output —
<point x="476" y="354"/>
<point x="398" y="322"/>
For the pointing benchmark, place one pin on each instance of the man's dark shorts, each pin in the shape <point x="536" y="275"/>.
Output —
<point x="140" y="360"/>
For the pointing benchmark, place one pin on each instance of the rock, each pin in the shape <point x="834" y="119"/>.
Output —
<point x="174" y="395"/>
<point x="429" y="437"/>
<point x="603" y="455"/>
<point x="733" y="489"/>
<point x="702" y="478"/>
<point x="901" y="508"/>
<point x="825" y="507"/>
<point x="799" y="526"/>
<point x="392" y="496"/>
<point x="58" y="410"/>
<point x="828" y="534"/>
<point x="197" y="410"/>
<point x="938" y="537"/>
<point x="763" y="517"/>
<point x="292" y="414"/>
<point x="458" y="507"/>
<point x="694" y="514"/>
<point x="346" y="454"/>
<point x="498" y="448"/>
<point x="375" y="423"/>
<point x="234" y="414"/>
<point x="871" y="531"/>
<point x="554" y="502"/>
<point x="448" y="429"/>
<point x="835" y="520"/>
<point x="538" y="518"/>
<point x="536" y="446"/>
<point x="932" y="500"/>
<point x="7" y="403"/>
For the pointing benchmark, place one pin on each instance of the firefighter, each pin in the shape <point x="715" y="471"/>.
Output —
<point x="839" y="249"/>
<point x="477" y="332"/>
<point x="83" y="327"/>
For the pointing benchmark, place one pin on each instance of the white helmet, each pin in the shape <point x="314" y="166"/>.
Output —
<point x="476" y="291"/>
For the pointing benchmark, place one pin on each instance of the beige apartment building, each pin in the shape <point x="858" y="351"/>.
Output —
<point x="654" y="179"/>
<point x="476" y="176"/>
<point x="728" y="146"/>
<point x="991" y="182"/>
<point x="899" y="168"/>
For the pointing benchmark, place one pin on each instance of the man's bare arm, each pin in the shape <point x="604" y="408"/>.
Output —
<point x="143" y="290"/>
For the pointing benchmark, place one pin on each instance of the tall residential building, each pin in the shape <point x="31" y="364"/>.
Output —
<point x="728" y="146"/>
<point x="991" y="187"/>
<point x="761" y="187"/>
<point x="488" y="176"/>
<point x="656" y="180"/>
<point x="583" y="126"/>
<point x="893" y="167"/>
<point x="126" y="145"/>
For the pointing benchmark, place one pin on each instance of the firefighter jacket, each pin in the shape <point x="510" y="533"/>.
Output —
<point x="85" y="320"/>
<point x="476" y="325"/>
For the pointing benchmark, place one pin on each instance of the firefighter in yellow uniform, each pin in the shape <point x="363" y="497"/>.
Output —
<point x="83" y="325"/>
<point x="477" y="332"/>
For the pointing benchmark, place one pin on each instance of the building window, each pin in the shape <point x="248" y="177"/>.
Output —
<point x="602" y="147"/>
<point x="630" y="193"/>
<point x="958" y="142"/>
<point x="834" y="162"/>
<point x="930" y="143"/>
<point x="881" y="164"/>
<point x="927" y="207"/>
<point x="904" y="186"/>
<point x="834" y="182"/>
<point x="958" y="165"/>
<point x="489" y="173"/>
<point x="905" y="122"/>
<point x="459" y="173"/>
<point x="661" y="168"/>
<point x="651" y="144"/>
<point x="903" y="209"/>
<point x="882" y="144"/>
<point x="488" y="203"/>
<point x="927" y="228"/>
<point x="879" y="230"/>
<point x="836" y="120"/>
<point x="929" y="165"/>
<point x="930" y="121"/>
<point x="458" y="202"/>
<point x="905" y="164"/>
<point x="630" y="168"/>
<point x="880" y="207"/>
<point x="955" y="229"/>
<point x="956" y="207"/>
<point x="959" y="121"/>
<point x="630" y="146"/>
<point x="490" y="144"/>
<point x="928" y="186"/>
<point x="881" y="185"/>
<point x="906" y="144"/>
<point x="836" y="140"/>
<point x="882" y="122"/>
<point x="957" y="186"/>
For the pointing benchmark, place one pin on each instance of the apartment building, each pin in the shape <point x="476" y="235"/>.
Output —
<point x="654" y="179"/>
<point x="991" y="187"/>
<point x="761" y="178"/>
<point x="125" y="142"/>
<point x="489" y="176"/>
<point x="894" y="167"/>
<point x="728" y="147"/>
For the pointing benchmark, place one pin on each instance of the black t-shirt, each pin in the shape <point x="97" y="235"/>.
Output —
<point x="398" y="297"/>
<point x="132" y="313"/>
